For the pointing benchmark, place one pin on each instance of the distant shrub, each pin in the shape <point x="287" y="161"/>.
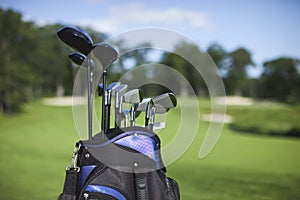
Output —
<point x="269" y="120"/>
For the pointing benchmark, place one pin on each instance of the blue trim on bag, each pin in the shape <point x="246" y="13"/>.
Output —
<point x="124" y="135"/>
<point x="132" y="134"/>
<point x="105" y="190"/>
<point x="84" y="173"/>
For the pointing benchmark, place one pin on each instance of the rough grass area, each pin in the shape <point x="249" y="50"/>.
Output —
<point x="36" y="147"/>
<point x="267" y="119"/>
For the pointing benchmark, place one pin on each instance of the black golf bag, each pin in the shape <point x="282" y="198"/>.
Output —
<point x="123" y="165"/>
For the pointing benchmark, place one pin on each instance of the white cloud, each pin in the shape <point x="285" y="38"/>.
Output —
<point x="120" y="17"/>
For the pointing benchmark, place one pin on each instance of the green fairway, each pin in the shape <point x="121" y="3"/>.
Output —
<point x="36" y="146"/>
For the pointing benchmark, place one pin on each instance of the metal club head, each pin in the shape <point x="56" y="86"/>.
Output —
<point x="80" y="59"/>
<point x="110" y="88"/>
<point x="113" y="86"/>
<point x="146" y="105"/>
<point x="143" y="105"/>
<point x="105" y="53"/>
<point x="164" y="102"/>
<point x="131" y="97"/>
<point x="76" y="38"/>
<point x="118" y="92"/>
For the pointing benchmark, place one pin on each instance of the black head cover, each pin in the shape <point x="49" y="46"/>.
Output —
<point x="76" y="38"/>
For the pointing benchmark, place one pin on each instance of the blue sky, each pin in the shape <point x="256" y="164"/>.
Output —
<point x="268" y="29"/>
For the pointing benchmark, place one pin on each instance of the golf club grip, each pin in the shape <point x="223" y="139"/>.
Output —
<point x="107" y="118"/>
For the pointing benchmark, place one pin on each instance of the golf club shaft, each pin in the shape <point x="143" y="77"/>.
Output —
<point x="103" y="103"/>
<point x="90" y="98"/>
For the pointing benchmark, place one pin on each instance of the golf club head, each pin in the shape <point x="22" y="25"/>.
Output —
<point x="110" y="87"/>
<point x="146" y="105"/>
<point x="100" y="89"/>
<point x="121" y="89"/>
<point x="158" y="126"/>
<point x="164" y="102"/>
<point x="133" y="96"/>
<point x="76" y="38"/>
<point x="143" y="105"/>
<point x="118" y="92"/>
<point x="105" y="53"/>
<point x="80" y="59"/>
<point x="113" y="86"/>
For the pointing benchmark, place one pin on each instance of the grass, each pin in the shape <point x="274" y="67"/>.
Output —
<point x="280" y="120"/>
<point x="36" y="147"/>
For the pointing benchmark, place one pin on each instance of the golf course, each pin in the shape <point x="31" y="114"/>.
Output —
<point x="36" y="146"/>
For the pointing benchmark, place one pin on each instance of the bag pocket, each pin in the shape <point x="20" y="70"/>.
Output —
<point x="173" y="188"/>
<point x="101" y="192"/>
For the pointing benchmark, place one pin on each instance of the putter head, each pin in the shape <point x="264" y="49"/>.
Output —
<point x="105" y="53"/>
<point x="76" y="38"/>
<point x="164" y="102"/>
<point x="80" y="59"/>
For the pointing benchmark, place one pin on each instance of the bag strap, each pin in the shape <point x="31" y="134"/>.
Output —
<point x="141" y="186"/>
<point x="72" y="178"/>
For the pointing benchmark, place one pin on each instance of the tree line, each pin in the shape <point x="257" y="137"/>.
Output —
<point x="34" y="63"/>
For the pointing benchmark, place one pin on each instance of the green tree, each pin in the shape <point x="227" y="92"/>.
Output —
<point x="16" y="77"/>
<point x="185" y="67"/>
<point x="236" y="80"/>
<point x="280" y="80"/>
<point x="51" y="63"/>
<point x="218" y="54"/>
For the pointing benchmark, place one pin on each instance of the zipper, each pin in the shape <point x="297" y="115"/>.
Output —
<point x="98" y="171"/>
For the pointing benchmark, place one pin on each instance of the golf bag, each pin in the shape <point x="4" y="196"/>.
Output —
<point x="125" y="164"/>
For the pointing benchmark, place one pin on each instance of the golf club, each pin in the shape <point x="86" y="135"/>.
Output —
<point x="107" y="98"/>
<point x="146" y="105"/>
<point x="118" y="92"/>
<point x="81" y="41"/>
<point x="80" y="59"/>
<point x="125" y="115"/>
<point x="133" y="113"/>
<point x="106" y="55"/>
<point x="76" y="38"/>
<point x="134" y="96"/>
<point x="162" y="104"/>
